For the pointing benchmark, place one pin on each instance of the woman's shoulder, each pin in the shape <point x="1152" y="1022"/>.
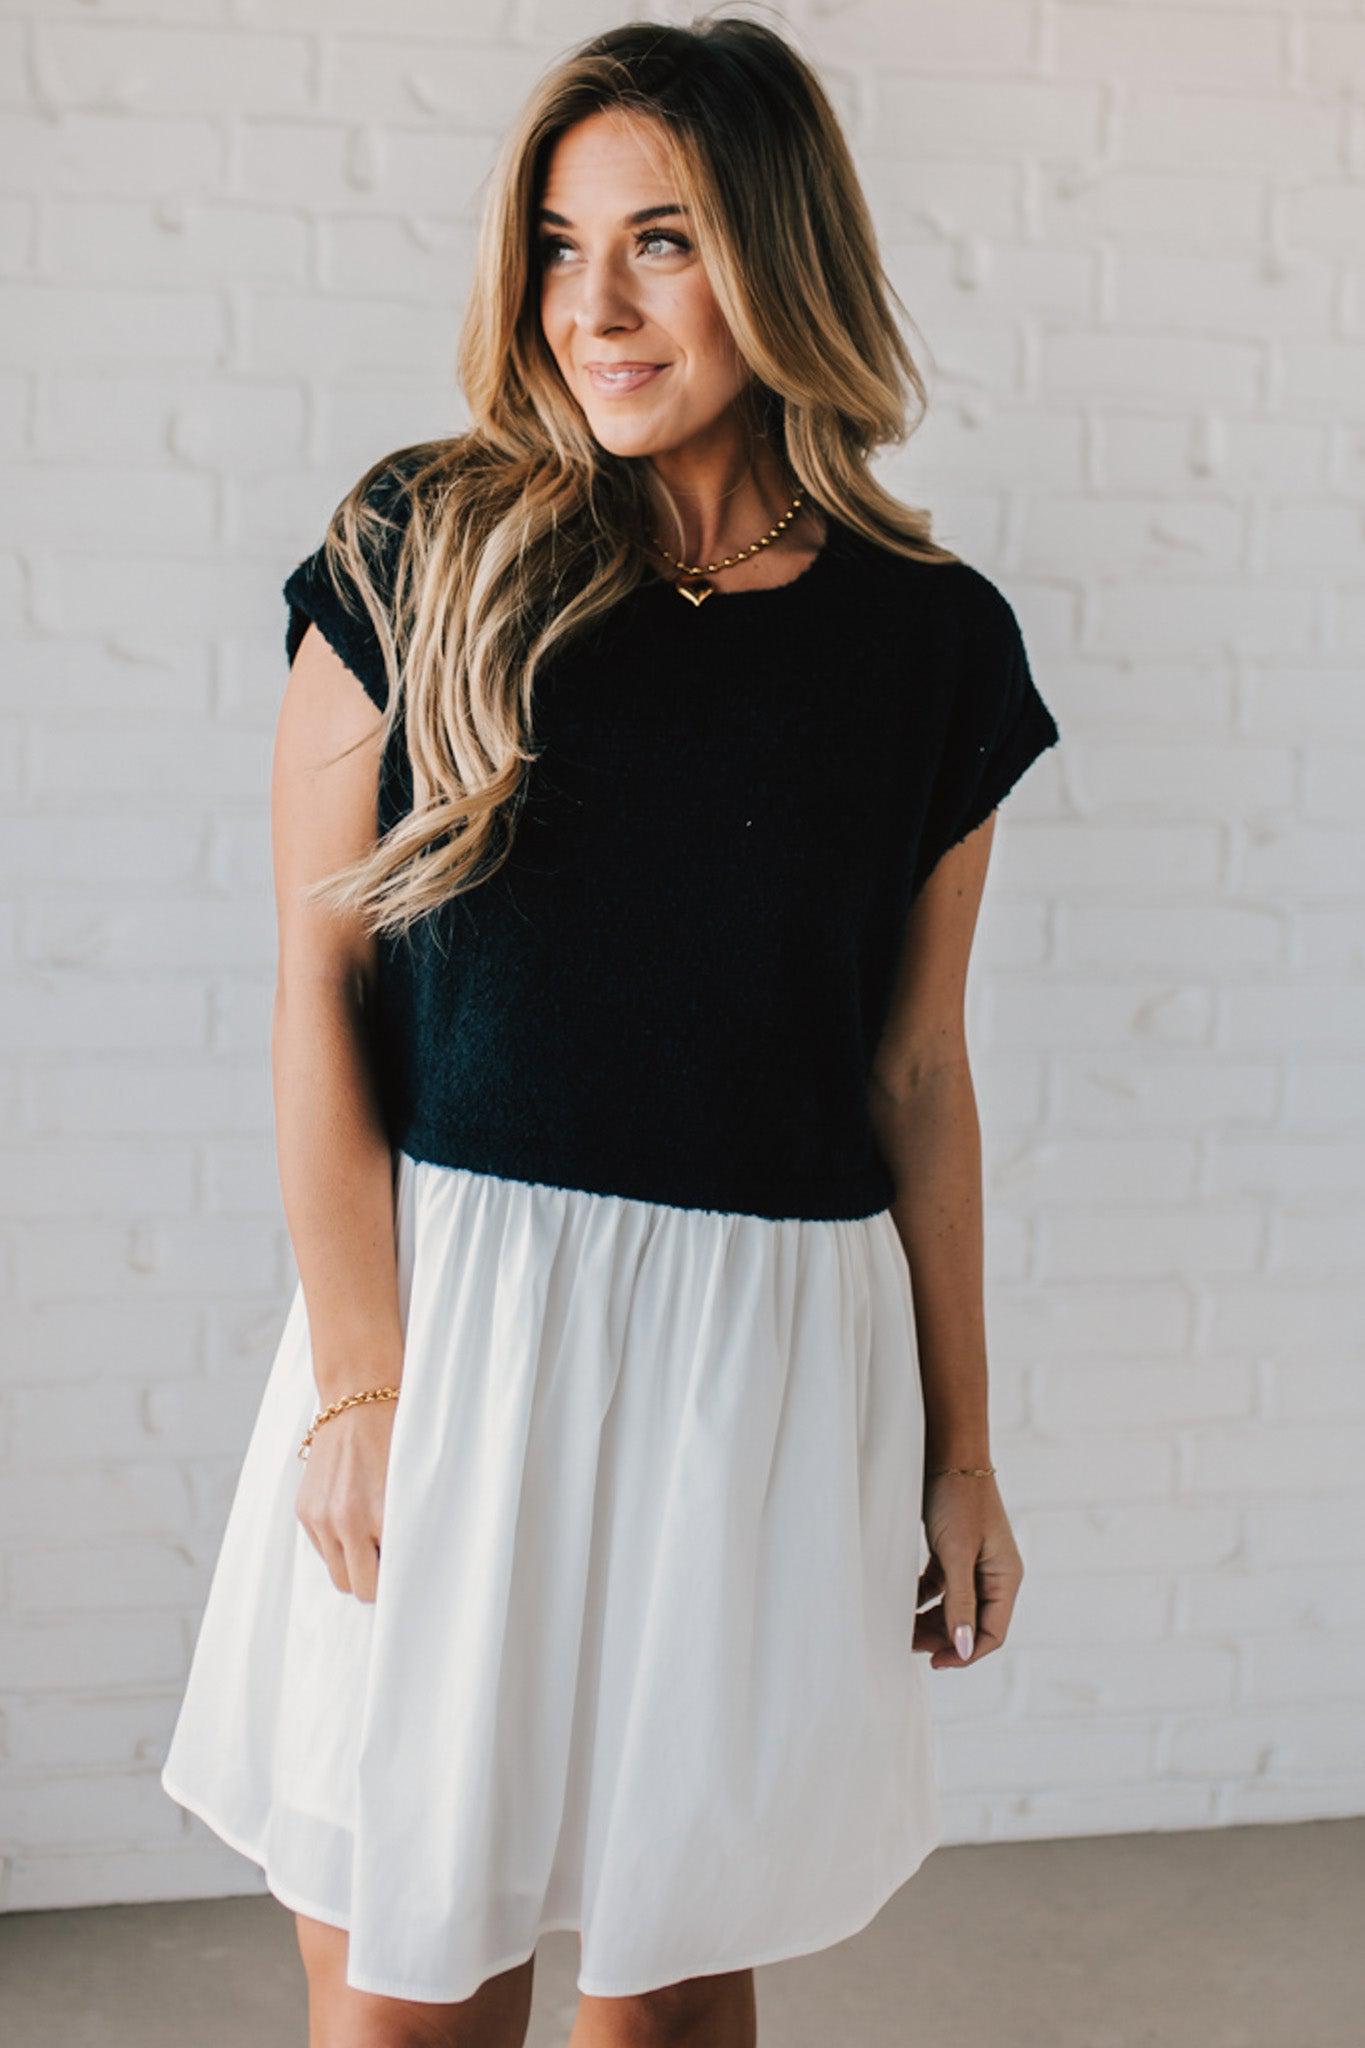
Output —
<point x="345" y="585"/>
<point x="950" y="594"/>
<point x="383" y="496"/>
<point x="381" y="499"/>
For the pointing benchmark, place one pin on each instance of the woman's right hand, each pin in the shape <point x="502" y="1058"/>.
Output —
<point x="340" y="1500"/>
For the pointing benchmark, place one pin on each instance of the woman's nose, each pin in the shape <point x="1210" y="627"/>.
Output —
<point x="604" y="299"/>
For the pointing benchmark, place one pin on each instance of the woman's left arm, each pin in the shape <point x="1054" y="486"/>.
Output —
<point x="923" y="1108"/>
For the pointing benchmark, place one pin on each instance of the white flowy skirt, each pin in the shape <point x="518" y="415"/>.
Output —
<point x="640" y="1658"/>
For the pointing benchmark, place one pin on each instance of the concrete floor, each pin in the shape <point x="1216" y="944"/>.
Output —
<point x="1248" y="1937"/>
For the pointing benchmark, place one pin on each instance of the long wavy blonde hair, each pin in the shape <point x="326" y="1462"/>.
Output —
<point x="475" y="557"/>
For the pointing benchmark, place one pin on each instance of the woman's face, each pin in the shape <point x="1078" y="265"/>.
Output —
<point x="618" y="291"/>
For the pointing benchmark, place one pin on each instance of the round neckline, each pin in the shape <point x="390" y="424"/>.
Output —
<point x="818" y="561"/>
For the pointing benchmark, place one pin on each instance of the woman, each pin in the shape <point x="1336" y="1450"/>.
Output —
<point x="626" y="1131"/>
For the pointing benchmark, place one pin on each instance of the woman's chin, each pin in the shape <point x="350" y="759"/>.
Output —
<point x="631" y="437"/>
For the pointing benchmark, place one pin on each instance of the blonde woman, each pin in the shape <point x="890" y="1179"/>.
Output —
<point x="632" y="801"/>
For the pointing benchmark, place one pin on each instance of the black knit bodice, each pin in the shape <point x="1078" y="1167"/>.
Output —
<point x="674" y="987"/>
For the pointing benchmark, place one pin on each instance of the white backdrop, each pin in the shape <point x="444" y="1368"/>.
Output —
<point x="234" y="239"/>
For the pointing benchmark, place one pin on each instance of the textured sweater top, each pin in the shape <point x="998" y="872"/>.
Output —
<point x="674" y="986"/>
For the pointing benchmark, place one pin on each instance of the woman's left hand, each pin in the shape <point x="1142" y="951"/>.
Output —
<point x="974" y="1563"/>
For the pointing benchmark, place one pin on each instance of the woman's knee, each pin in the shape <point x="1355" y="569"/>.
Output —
<point x="339" y="2016"/>
<point x="716" y="2010"/>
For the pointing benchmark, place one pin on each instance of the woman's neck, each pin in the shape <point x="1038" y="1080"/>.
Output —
<point x="726" y="500"/>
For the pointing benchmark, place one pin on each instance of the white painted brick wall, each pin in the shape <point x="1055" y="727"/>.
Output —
<point x="234" y="244"/>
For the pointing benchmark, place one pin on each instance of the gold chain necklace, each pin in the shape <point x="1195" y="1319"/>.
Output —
<point x="693" y="584"/>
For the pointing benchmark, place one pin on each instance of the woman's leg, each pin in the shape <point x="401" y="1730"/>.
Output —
<point x="496" y="2016"/>
<point x="699" y="2012"/>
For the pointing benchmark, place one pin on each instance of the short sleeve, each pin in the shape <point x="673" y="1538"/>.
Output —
<point x="318" y="594"/>
<point x="998" y="724"/>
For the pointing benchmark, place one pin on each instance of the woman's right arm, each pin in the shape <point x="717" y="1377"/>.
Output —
<point x="335" y="1160"/>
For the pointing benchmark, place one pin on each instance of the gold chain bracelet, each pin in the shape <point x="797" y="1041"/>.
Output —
<point x="347" y="1401"/>
<point x="971" y="1471"/>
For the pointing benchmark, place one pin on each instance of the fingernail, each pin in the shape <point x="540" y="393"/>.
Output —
<point x="962" y="1639"/>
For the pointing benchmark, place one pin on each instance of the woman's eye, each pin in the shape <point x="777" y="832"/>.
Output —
<point x="550" y="245"/>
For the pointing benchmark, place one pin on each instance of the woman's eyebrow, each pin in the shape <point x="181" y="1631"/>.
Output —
<point x="631" y="220"/>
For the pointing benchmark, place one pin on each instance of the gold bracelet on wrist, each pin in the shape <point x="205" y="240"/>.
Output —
<point x="971" y="1471"/>
<point x="347" y="1401"/>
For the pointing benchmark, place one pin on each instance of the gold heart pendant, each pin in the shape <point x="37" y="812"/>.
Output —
<point x="694" y="588"/>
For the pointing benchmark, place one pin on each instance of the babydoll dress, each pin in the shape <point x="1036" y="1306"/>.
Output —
<point x="640" y="1658"/>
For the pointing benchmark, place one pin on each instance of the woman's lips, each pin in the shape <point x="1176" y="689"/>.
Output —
<point x="623" y="382"/>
